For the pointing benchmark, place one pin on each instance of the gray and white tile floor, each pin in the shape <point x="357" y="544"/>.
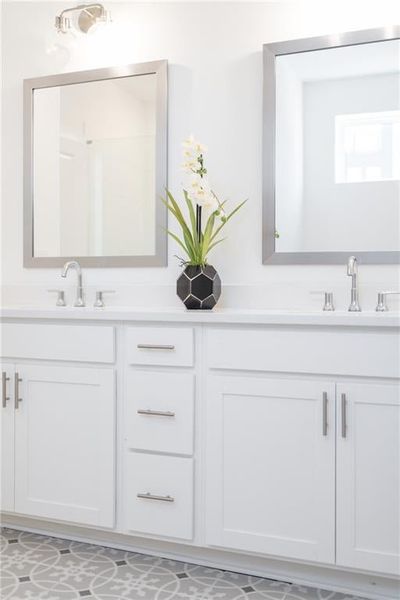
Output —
<point x="35" y="567"/>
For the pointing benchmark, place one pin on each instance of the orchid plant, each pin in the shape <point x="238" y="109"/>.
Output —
<point x="196" y="241"/>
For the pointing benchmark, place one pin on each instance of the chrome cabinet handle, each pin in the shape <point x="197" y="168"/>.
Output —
<point x="155" y="413"/>
<point x="325" y="413"/>
<point x="344" y="415"/>
<point x="155" y="347"/>
<point x="17" y="399"/>
<point x="149" y="496"/>
<point x="4" y="396"/>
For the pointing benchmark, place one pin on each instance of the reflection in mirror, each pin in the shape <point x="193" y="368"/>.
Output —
<point x="97" y="167"/>
<point x="337" y="151"/>
<point x="94" y="149"/>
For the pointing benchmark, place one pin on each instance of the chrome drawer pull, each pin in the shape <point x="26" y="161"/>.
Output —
<point x="149" y="496"/>
<point x="155" y="413"/>
<point x="4" y="396"/>
<point x="344" y="416"/>
<point x="155" y="347"/>
<point x="324" y="414"/>
<point x="17" y="399"/>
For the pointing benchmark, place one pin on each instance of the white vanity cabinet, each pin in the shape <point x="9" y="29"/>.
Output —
<point x="304" y="466"/>
<point x="159" y="408"/>
<point x="368" y="476"/>
<point x="272" y="446"/>
<point x="271" y="466"/>
<point x="58" y="428"/>
<point x="64" y="444"/>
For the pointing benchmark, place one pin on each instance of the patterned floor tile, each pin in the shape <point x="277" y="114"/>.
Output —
<point x="35" y="567"/>
<point x="71" y="571"/>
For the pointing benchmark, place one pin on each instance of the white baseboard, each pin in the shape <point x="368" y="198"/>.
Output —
<point x="331" y="578"/>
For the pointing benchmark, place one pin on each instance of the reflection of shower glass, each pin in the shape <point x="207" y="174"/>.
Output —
<point x="95" y="169"/>
<point x="121" y="195"/>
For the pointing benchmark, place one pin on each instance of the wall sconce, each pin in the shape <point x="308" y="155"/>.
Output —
<point x="89" y="16"/>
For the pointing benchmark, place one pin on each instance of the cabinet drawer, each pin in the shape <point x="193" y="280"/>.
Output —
<point x="169" y="346"/>
<point x="159" y="495"/>
<point x="159" y="412"/>
<point x="338" y="351"/>
<point x="78" y="343"/>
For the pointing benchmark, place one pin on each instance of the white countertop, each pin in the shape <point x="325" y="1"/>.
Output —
<point x="217" y="316"/>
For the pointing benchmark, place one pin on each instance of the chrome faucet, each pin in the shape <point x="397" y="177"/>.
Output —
<point x="73" y="264"/>
<point x="352" y="271"/>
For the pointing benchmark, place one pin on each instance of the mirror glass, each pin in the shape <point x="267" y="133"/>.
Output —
<point x="337" y="149"/>
<point x="94" y="168"/>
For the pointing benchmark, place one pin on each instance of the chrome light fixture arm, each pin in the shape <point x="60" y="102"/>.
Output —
<point x="90" y="14"/>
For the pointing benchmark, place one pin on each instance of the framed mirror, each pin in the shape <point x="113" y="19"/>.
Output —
<point x="331" y="149"/>
<point x="95" y="167"/>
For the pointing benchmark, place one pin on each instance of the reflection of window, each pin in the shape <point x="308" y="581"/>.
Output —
<point x="367" y="147"/>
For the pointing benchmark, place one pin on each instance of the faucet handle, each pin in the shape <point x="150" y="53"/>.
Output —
<point x="382" y="305"/>
<point x="60" y="297"/>
<point x="328" y="300"/>
<point x="99" y="302"/>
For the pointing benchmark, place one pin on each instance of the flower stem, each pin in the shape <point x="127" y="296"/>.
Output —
<point x="198" y="222"/>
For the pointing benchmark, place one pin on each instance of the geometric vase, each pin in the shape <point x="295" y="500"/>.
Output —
<point x="199" y="287"/>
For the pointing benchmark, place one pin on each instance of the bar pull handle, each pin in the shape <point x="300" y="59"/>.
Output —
<point x="155" y="347"/>
<point x="155" y="413"/>
<point x="325" y="414"/>
<point x="17" y="399"/>
<point x="344" y="415"/>
<point x="148" y="496"/>
<point x="4" y="396"/>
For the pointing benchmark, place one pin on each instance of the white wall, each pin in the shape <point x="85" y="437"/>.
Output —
<point x="215" y="91"/>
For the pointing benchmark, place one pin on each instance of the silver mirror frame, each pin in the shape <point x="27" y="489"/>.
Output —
<point x="160" y="258"/>
<point x="270" y="52"/>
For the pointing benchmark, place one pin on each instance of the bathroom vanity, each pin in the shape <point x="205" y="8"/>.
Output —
<point x="264" y="442"/>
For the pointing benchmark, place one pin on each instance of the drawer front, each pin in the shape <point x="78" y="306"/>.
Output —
<point x="78" y="343"/>
<point x="168" y="346"/>
<point x="338" y="351"/>
<point x="159" y="495"/>
<point x="159" y="412"/>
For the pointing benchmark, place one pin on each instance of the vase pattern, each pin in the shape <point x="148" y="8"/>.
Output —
<point x="199" y="287"/>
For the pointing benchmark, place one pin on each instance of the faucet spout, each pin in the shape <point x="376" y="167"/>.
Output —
<point x="352" y="271"/>
<point x="73" y="264"/>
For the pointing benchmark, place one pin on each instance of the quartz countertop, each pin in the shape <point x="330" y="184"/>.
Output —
<point x="216" y="316"/>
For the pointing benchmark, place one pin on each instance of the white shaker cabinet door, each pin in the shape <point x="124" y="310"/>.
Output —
<point x="368" y="477"/>
<point x="65" y="444"/>
<point x="7" y="437"/>
<point x="270" y="472"/>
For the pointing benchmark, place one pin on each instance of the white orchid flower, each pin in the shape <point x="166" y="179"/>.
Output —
<point x="188" y="143"/>
<point x="200" y="193"/>
<point x="190" y="166"/>
<point x="191" y="144"/>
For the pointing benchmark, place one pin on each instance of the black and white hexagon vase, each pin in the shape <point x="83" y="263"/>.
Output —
<point x="199" y="287"/>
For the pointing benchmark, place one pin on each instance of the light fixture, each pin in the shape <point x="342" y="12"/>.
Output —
<point x="89" y="16"/>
